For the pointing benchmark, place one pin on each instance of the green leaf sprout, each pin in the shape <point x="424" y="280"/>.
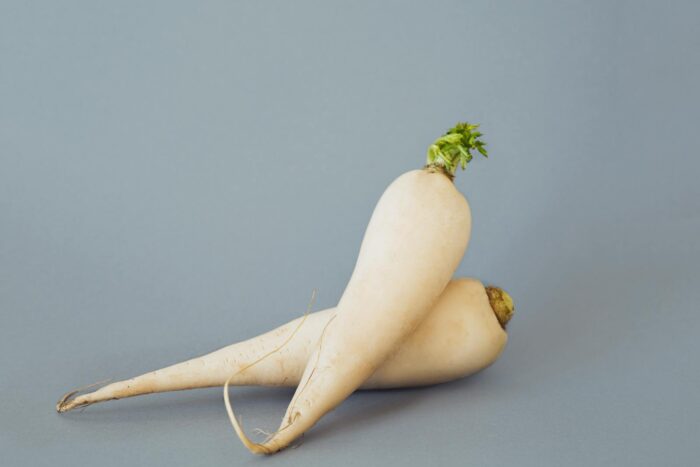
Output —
<point x="454" y="148"/>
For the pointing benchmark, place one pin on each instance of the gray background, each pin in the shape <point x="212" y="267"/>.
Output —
<point x="177" y="176"/>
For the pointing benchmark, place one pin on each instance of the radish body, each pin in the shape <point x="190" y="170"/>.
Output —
<point x="460" y="336"/>
<point x="412" y="246"/>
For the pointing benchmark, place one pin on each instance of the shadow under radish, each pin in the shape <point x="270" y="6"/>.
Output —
<point x="366" y="408"/>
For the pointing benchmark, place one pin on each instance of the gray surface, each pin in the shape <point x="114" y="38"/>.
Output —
<point x="177" y="177"/>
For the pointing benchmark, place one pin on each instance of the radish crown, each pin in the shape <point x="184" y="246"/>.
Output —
<point x="501" y="304"/>
<point x="454" y="148"/>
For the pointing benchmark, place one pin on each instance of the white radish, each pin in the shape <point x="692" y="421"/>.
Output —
<point x="413" y="244"/>
<point x="463" y="334"/>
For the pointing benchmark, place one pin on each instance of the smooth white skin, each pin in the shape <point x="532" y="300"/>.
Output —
<point x="415" y="240"/>
<point x="460" y="336"/>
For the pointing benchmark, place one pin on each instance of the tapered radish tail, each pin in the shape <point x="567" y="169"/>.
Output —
<point x="68" y="401"/>
<point x="201" y="372"/>
<point x="253" y="447"/>
<point x="264" y="448"/>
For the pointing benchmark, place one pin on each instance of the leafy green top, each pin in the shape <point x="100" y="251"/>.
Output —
<point x="454" y="148"/>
